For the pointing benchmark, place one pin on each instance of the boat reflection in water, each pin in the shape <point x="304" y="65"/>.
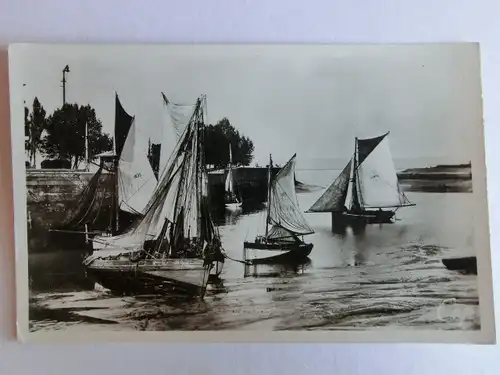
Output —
<point x="277" y="270"/>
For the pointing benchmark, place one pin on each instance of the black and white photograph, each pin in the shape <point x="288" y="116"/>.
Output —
<point x="324" y="192"/>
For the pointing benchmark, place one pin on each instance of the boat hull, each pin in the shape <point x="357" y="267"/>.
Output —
<point x="170" y="276"/>
<point x="363" y="217"/>
<point x="465" y="264"/>
<point x="270" y="253"/>
<point x="233" y="206"/>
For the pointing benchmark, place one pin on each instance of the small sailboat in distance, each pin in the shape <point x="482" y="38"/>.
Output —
<point x="367" y="191"/>
<point x="232" y="202"/>
<point x="284" y="223"/>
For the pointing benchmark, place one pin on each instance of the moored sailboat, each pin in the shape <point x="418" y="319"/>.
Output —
<point x="122" y="179"/>
<point x="231" y="200"/>
<point x="285" y="223"/>
<point x="175" y="245"/>
<point x="367" y="191"/>
<point x="134" y="185"/>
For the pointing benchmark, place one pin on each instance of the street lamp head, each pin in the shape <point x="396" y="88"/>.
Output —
<point x="66" y="69"/>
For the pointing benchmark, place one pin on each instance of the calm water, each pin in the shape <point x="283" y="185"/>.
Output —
<point x="385" y="276"/>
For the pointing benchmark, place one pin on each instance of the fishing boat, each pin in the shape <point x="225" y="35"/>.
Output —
<point x="367" y="191"/>
<point x="177" y="116"/>
<point x="232" y="202"/>
<point x="118" y="191"/>
<point x="175" y="245"/>
<point x="285" y="224"/>
<point x="135" y="182"/>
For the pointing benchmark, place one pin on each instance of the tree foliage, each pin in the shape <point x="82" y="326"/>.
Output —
<point x="35" y="122"/>
<point x="217" y="140"/>
<point x="216" y="145"/>
<point x="65" y="138"/>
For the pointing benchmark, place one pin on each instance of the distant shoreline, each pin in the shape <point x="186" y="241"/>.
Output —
<point x="439" y="178"/>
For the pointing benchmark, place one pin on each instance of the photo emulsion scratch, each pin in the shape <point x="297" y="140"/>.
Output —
<point x="265" y="189"/>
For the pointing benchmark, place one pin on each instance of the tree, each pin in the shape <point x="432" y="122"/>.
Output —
<point x="34" y="125"/>
<point x="65" y="137"/>
<point x="217" y="140"/>
<point x="216" y="145"/>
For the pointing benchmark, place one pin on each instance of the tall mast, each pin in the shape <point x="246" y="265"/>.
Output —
<point x="268" y="193"/>
<point x="199" y="167"/>
<point x="355" y="192"/>
<point x="229" y="171"/>
<point x="116" y="202"/>
<point x="86" y="147"/>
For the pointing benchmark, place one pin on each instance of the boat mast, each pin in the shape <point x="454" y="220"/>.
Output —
<point x="199" y="166"/>
<point x="268" y="193"/>
<point x="355" y="178"/>
<point x="229" y="171"/>
<point x="115" y="198"/>
<point x="86" y="147"/>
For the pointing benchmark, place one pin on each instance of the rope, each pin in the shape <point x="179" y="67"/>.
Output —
<point x="237" y="260"/>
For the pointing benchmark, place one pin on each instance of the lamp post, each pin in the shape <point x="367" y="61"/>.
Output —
<point x="65" y="70"/>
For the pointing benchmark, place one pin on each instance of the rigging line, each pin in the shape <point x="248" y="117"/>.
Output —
<point x="99" y="211"/>
<point x="89" y="208"/>
<point x="224" y="254"/>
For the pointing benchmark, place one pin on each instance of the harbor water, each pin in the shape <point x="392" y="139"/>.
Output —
<point x="387" y="275"/>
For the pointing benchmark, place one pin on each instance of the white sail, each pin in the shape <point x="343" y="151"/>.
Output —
<point x="176" y="118"/>
<point x="176" y="197"/>
<point x="377" y="182"/>
<point x="284" y="211"/>
<point x="229" y="181"/>
<point x="136" y="179"/>
<point x="349" y="199"/>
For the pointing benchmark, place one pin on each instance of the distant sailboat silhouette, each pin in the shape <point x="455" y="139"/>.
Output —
<point x="231" y="199"/>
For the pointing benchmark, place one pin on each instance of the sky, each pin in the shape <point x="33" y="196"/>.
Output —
<point x="309" y="100"/>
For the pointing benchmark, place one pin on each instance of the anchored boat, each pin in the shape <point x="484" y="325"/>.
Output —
<point x="175" y="245"/>
<point x="124" y="175"/>
<point x="285" y="223"/>
<point x="367" y="190"/>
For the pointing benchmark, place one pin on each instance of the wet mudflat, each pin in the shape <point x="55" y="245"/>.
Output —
<point x="383" y="276"/>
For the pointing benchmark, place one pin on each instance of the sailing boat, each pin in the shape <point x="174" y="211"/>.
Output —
<point x="90" y="215"/>
<point x="231" y="200"/>
<point x="177" y="117"/>
<point x="175" y="245"/>
<point x="367" y="190"/>
<point x="284" y="222"/>
<point x="135" y="182"/>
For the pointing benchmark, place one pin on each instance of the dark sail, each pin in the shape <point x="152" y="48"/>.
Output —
<point x="366" y="146"/>
<point x="333" y="199"/>
<point x="123" y="121"/>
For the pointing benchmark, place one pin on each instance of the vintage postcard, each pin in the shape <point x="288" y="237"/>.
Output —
<point x="286" y="193"/>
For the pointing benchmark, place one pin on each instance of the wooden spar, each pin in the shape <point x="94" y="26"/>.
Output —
<point x="356" y="196"/>
<point x="116" y="198"/>
<point x="199" y="181"/>
<point x="86" y="147"/>
<point x="268" y="194"/>
<point x="73" y="231"/>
